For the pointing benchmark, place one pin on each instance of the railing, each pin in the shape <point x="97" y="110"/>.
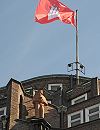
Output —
<point x="40" y="124"/>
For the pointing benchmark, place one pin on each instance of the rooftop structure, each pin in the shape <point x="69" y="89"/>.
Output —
<point x="50" y="102"/>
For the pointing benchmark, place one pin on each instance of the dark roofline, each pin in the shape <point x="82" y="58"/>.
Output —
<point x="2" y="88"/>
<point x="43" y="77"/>
<point x="53" y="76"/>
<point x="16" y="81"/>
<point x="13" y="80"/>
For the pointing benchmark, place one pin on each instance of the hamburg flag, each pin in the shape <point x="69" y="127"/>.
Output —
<point x="50" y="10"/>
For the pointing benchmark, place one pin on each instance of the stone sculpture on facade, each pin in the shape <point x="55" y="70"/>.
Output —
<point x="39" y="101"/>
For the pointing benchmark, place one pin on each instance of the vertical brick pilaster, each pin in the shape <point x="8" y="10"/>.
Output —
<point x="14" y="92"/>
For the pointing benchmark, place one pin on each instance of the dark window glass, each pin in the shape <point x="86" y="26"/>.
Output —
<point x="94" y="110"/>
<point x="75" y="116"/>
<point x="20" y="107"/>
<point x="29" y="91"/>
<point x="54" y="88"/>
<point x="93" y="117"/>
<point x="76" y="123"/>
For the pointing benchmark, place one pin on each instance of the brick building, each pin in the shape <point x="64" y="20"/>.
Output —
<point x="23" y="105"/>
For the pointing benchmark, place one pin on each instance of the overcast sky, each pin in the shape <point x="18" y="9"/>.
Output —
<point x="29" y="49"/>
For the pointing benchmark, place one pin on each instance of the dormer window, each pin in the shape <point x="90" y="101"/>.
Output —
<point x="79" y="99"/>
<point x="54" y="87"/>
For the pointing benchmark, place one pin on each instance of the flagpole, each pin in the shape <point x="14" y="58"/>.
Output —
<point x="77" y="56"/>
<point x="78" y="67"/>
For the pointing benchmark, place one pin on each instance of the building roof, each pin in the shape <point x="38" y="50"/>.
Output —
<point x="53" y="76"/>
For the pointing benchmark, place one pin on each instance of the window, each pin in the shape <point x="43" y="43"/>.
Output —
<point x="30" y="91"/>
<point x="2" y="111"/>
<point x="54" y="87"/>
<point x="75" y="118"/>
<point x="79" y="99"/>
<point x="92" y="113"/>
<point x="3" y="96"/>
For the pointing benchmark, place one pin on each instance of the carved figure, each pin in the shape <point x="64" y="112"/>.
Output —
<point x="39" y="102"/>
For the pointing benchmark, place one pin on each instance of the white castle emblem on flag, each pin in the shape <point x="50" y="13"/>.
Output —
<point x="53" y="13"/>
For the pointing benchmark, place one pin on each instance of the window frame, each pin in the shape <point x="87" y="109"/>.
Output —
<point x="30" y="90"/>
<point x="77" y="98"/>
<point x="87" y="115"/>
<point x="3" y="108"/>
<point x="50" y="85"/>
<point x="77" y="119"/>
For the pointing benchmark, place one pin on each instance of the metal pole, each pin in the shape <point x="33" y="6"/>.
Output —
<point x="77" y="57"/>
<point x="61" y="112"/>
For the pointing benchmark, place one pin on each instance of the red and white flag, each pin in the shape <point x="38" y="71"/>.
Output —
<point x="50" y="10"/>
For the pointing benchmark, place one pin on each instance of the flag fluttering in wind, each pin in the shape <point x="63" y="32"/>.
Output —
<point x="50" y="10"/>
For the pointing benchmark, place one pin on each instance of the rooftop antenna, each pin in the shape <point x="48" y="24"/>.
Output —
<point x="76" y="65"/>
